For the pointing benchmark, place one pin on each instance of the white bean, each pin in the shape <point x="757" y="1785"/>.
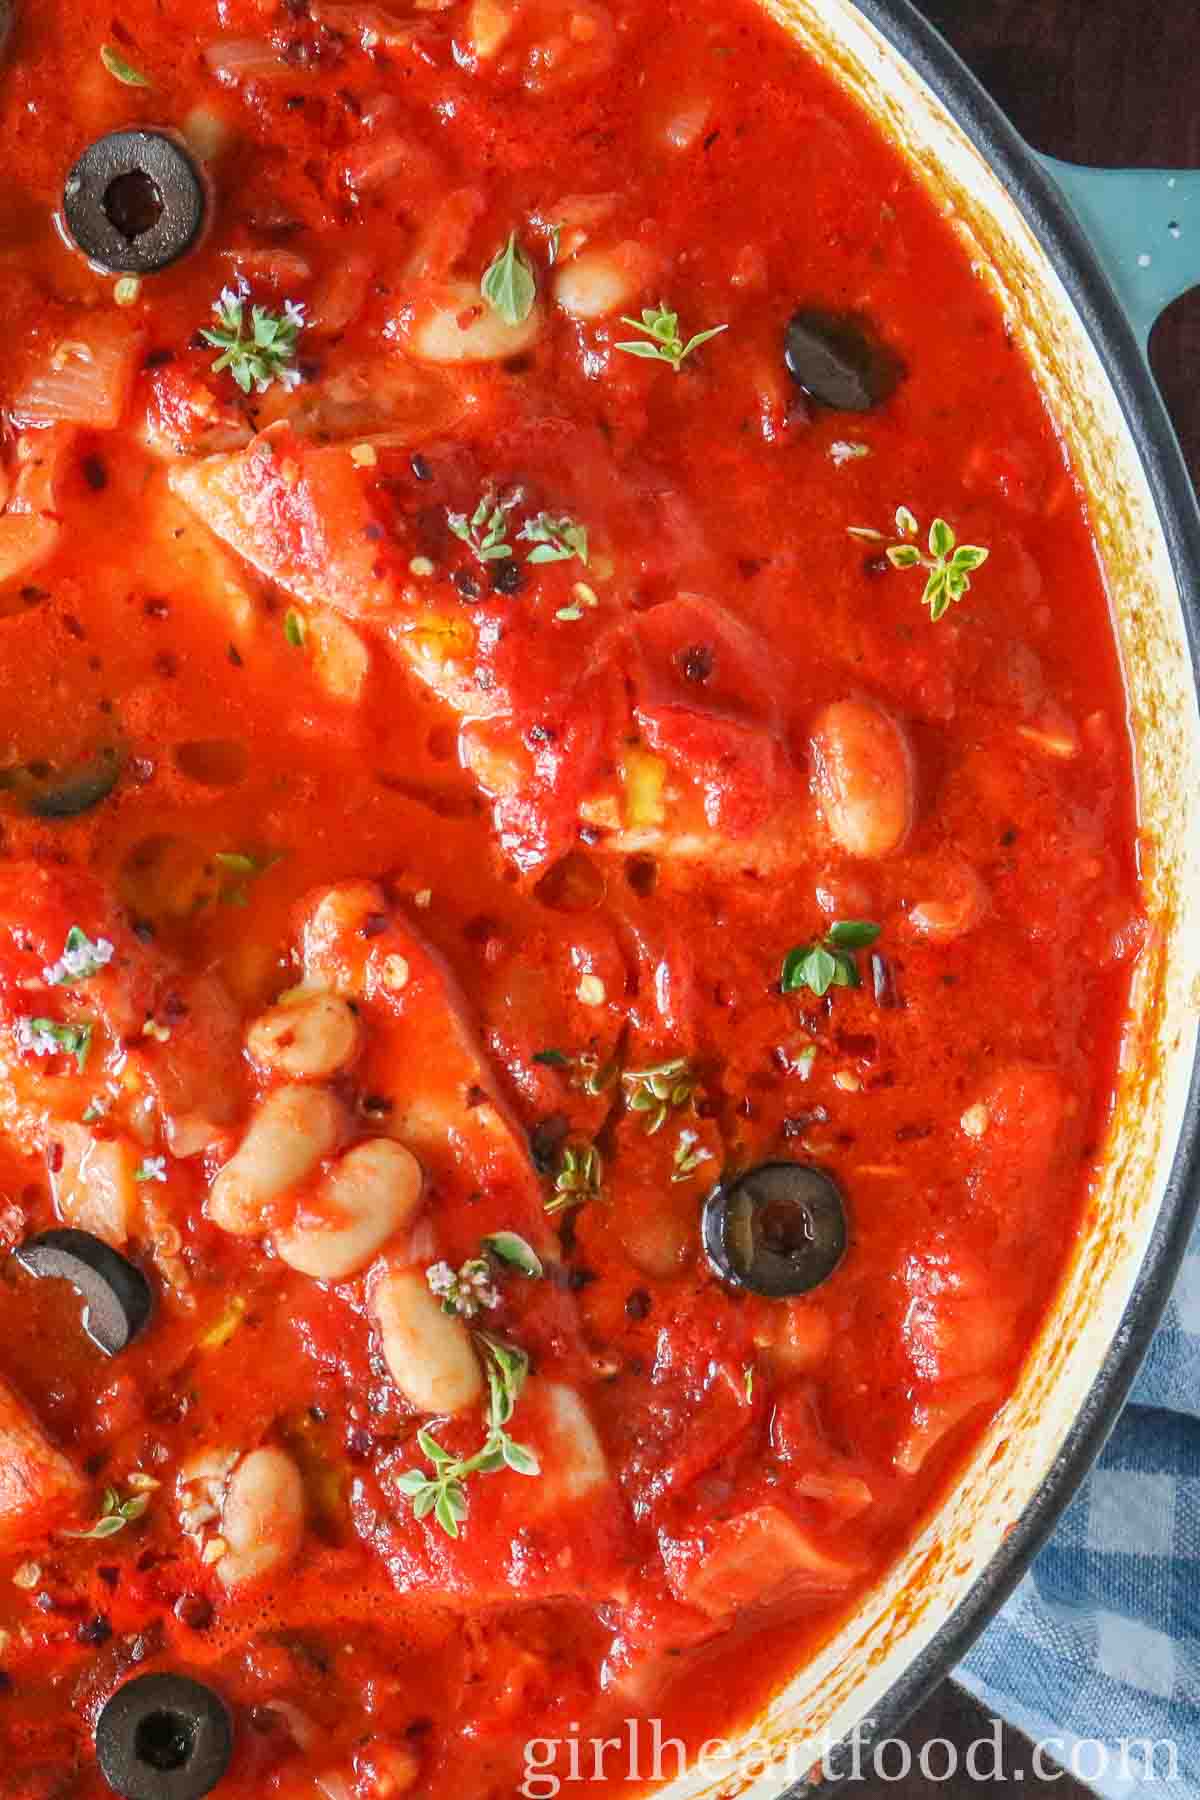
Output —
<point x="262" y="1520"/>
<point x="307" y="1037"/>
<point x="863" y="777"/>
<point x="956" y="903"/>
<point x="373" y="1192"/>
<point x="289" y="1134"/>
<point x="579" y="1462"/>
<point x="489" y="26"/>
<point x="598" y="282"/>
<point x="428" y="1352"/>
<point x="458" y="327"/>
<point x="332" y="952"/>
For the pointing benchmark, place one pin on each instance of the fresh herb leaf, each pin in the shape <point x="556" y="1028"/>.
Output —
<point x="688" y="1157"/>
<point x="121" y="70"/>
<point x="115" y="1513"/>
<point x="81" y="959"/>
<point x="661" y="327"/>
<point x="295" y="629"/>
<point x="854" y="934"/>
<point x="219" y="1333"/>
<point x="660" y="1090"/>
<point x="579" y="1178"/>
<point x="949" y="564"/>
<point x="557" y="540"/>
<point x="257" y="352"/>
<point x="582" y="597"/>
<point x="151" y="1168"/>
<point x="588" y="1074"/>
<point x="47" y="1037"/>
<point x="444" y="1494"/>
<point x="244" y="867"/>
<point x="485" y="533"/>
<point x="513" y="1251"/>
<point x="508" y="285"/>
<point x="831" y="962"/>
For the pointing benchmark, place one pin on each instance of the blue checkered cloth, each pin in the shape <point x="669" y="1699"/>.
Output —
<point x="1101" y="1641"/>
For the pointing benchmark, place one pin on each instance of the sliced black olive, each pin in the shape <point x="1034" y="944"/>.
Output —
<point x="116" y="1295"/>
<point x="64" y="794"/>
<point x="837" y="363"/>
<point x="164" y="1737"/>
<point x="779" y="1229"/>
<point x="134" y="202"/>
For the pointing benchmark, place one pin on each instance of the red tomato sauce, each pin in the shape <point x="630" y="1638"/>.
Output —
<point x="513" y="705"/>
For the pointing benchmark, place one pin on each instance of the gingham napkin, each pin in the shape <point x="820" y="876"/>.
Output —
<point x="1101" y="1641"/>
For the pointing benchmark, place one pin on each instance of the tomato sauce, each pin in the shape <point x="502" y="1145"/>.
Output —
<point x="468" y="792"/>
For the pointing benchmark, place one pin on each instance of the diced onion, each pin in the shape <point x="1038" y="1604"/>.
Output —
<point x="233" y="60"/>
<point x="85" y="377"/>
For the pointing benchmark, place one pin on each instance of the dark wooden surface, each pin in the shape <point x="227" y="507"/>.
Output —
<point x="1109" y="82"/>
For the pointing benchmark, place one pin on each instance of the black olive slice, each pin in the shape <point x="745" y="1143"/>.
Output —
<point x="66" y="794"/>
<point x="779" y="1229"/>
<point x="837" y="363"/>
<point x="134" y="202"/>
<point x="116" y="1295"/>
<point x="164" y="1737"/>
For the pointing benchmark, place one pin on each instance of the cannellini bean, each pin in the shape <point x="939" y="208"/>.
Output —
<point x="960" y="902"/>
<point x="456" y="326"/>
<point x="288" y="1135"/>
<point x="340" y="658"/>
<point x="863" y="777"/>
<point x="373" y="1192"/>
<point x="597" y="282"/>
<point x="308" y="1037"/>
<point x="386" y="1769"/>
<point x="262" y="1520"/>
<point x="331" y="923"/>
<point x="489" y="25"/>
<point x="428" y="1352"/>
<point x="579" y="1462"/>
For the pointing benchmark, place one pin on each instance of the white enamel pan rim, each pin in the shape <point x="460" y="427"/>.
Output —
<point x="910" y="1630"/>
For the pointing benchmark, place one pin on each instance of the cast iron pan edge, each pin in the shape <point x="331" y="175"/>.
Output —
<point x="1081" y="273"/>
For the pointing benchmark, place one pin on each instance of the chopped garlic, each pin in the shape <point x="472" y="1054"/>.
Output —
<point x="975" y="1120"/>
<point x="395" y="972"/>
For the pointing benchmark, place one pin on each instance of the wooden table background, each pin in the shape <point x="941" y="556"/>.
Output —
<point x="1108" y="82"/>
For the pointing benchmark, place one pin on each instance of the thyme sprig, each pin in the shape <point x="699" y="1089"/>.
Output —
<point x="444" y="1492"/>
<point x="949" y="564"/>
